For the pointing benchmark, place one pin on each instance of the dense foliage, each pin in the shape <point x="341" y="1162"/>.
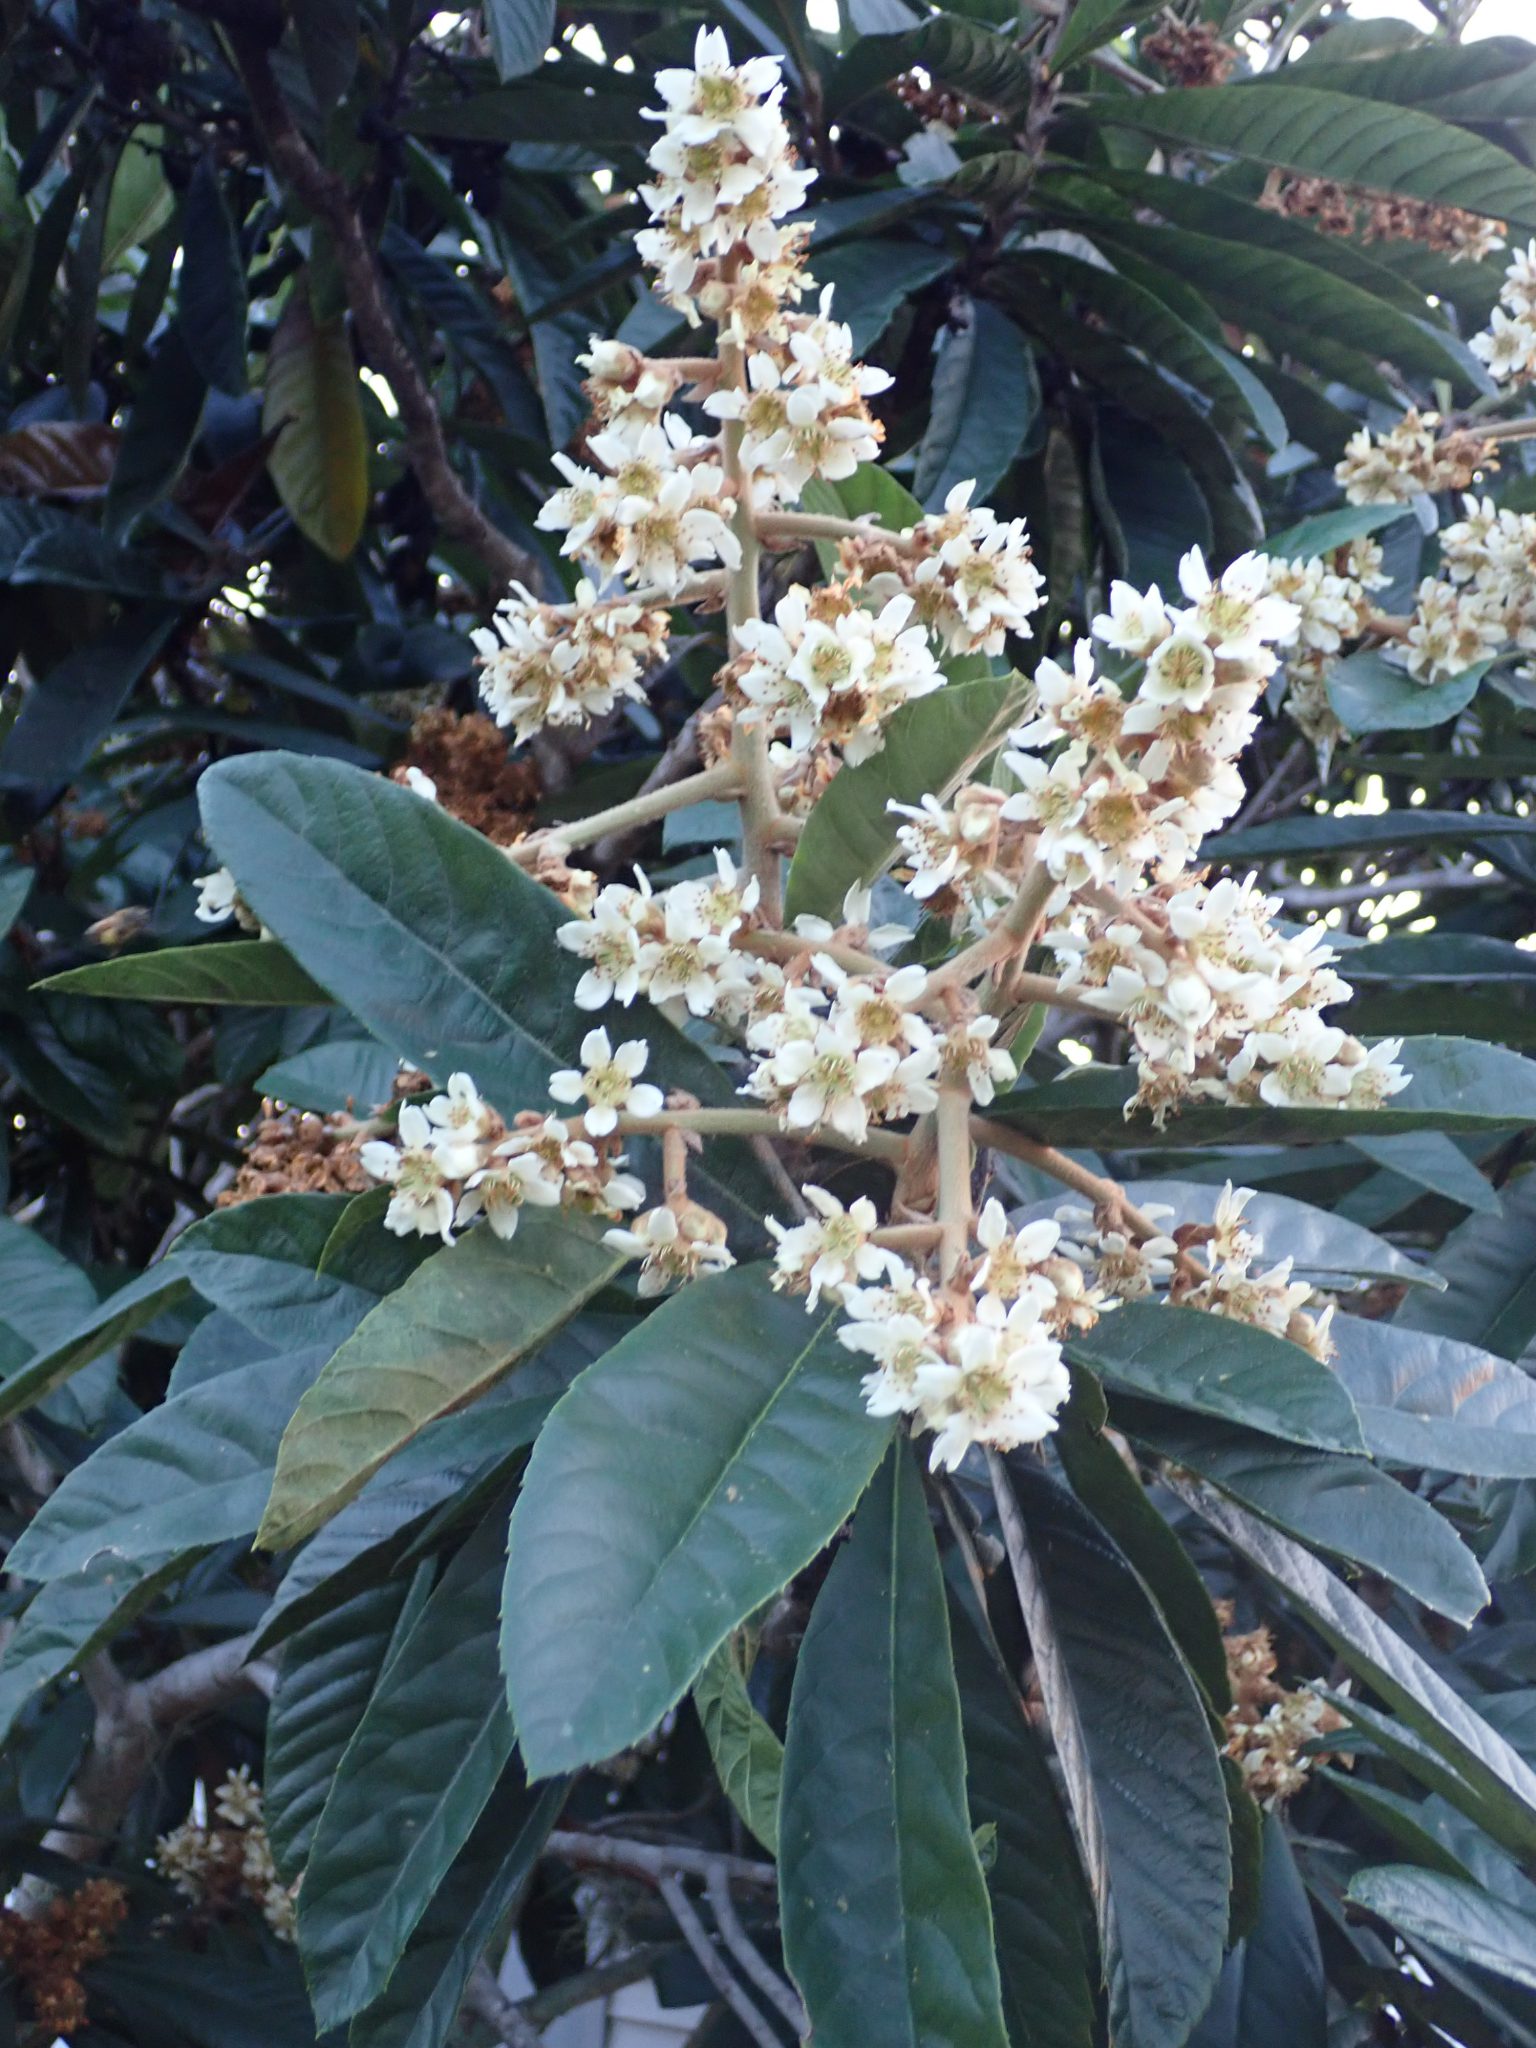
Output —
<point x="785" y="1562"/>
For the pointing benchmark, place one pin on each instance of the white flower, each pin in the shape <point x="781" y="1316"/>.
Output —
<point x="971" y="1057"/>
<point x="565" y="664"/>
<point x="672" y="1251"/>
<point x="420" y="783"/>
<point x="1236" y="612"/>
<point x="974" y="578"/>
<point x="1181" y="671"/>
<point x="609" y="1083"/>
<point x="1136" y="621"/>
<point x="219" y="898"/>
<point x="901" y="1341"/>
<point x="1507" y="345"/>
<point x="825" y="1079"/>
<point x="1011" y="1267"/>
<point x="830" y="1251"/>
<point x="610" y="939"/>
<point x="1002" y="1384"/>
<point x="461" y="1124"/>
<point x="422" y="1204"/>
<point x="515" y="1179"/>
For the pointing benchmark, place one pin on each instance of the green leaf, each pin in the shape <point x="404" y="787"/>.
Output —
<point x="748" y="1756"/>
<point x="162" y="426"/>
<point x="211" y="295"/>
<point x="1273" y="1993"/>
<point x="328" y="1674"/>
<point x="930" y="745"/>
<point x="1094" y="22"/>
<point x="1424" y="1399"/>
<point x="1283" y="838"/>
<point x="141" y="201"/>
<point x="1457" y="1084"/>
<point x="1041" y="1914"/>
<point x="421" y="2001"/>
<point x="69" y="1619"/>
<point x="319" y="461"/>
<point x="409" y="1789"/>
<point x="985" y="400"/>
<point x="43" y="1295"/>
<point x="339" y="1074"/>
<point x="437" y="942"/>
<point x="1430" y="1160"/>
<point x="1475" y="1751"/>
<point x="1368" y="693"/>
<point x="1221" y="1368"/>
<point x="618" y="1590"/>
<point x="192" y="1472"/>
<point x="327" y="32"/>
<point x="520" y="32"/>
<point x="1450" y="1914"/>
<point x="1152" y="1816"/>
<point x="1335" y="135"/>
<point x="887" y="1924"/>
<point x="986" y="68"/>
<point x="1325" y="531"/>
<point x="874" y="280"/>
<point x="461" y="1321"/>
<point x="260" y="1261"/>
<point x="1116" y="1498"/>
<point x="1345" y="1506"/>
<point x="249" y="971"/>
<point x="1490" y="1295"/>
<point x="74" y="704"/>
<point x="116" y="1319"/>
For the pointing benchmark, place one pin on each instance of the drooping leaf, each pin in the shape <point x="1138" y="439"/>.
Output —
<point x="1333" y="135"/>
<point x="158" y="438"/>
<point x="328" y="1674"/>
<point x="1346" y="1506"/>
<point x="1450" y="1914"/>
<point x="211" y="294"/>
<point x="1041" y="1914"/>
<point x="461" y="1321"/>
<point x="1474" y="1750"/>
<point x="887" y="1924"/>
<point x="437" y="942"/>
<point x="1457" y="1084"/>
<point x="984" y="402"/>
<point x="129" y="1309"/>
<point x="850" y="836"/>
<point x="319" y="461"/>
<point x="418" y="2006"/>
<point x="67" y="1620"/>
<point x="1152" y="1818"/>
<point x="73" y="705"/>
<point x="616" y="1592"/>
<point x="1368" y="693"/>
<point x="520" y="31"/>
<point x="409" y="1788"/>
<point x="1221" y="1368"/>
<point x="749" y="1757"/>
<point x="248" y="971"/>
<point x="261" y="1263"/>
<point x="1273" y="1993"/>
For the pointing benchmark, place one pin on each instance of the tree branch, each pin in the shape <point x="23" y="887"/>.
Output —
<point x="713" y="1964"/>
<point x="652" y="1861"/>
<point x="326" y="196"/>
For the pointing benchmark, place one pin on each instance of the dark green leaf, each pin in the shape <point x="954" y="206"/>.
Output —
<point x="1272" y="1992"/>
<point x="1152" y="1817"/>
<point x="261" y="1261"/>
<point x="129" y="1309"/>
<point x="1325" y="531"/>
<point x="1223" y="1369"/>
<point x="1093" y="22"/>
<point x="249" y="971"/>
<point x="988" y="69"/>
<point x="434" y="939"/>
<point x="211" y="292"/>
<point x="875" y="279"/>
<point x="74" y="704"/>
<point x="409" y="1788"/>
<point x="887" y="1924"/>
<point x="67" y="1620"/>
<point x="1490" y="1270"/>
<point x="1452" y="1915"/>
<point x="617" y="1592"/>
<point x="158" y="438"/>
<point x="1425" y="1399"/>
<point x="1282" y="838"/>
<point x="1371" y="694"/>
<point x="985" y="398"/>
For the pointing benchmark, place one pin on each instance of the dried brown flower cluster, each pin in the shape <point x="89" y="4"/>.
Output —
<point x="295" y="1152"/>
<point x="46" y="1954"/>
<point x="1190" y="52"/>
<point x="1336" y="209"/>
<point x="931" y="102"/>
<point x="1268" y="1727"/>
<point x="227" y="1864"/>
<point x="466" y="758"/>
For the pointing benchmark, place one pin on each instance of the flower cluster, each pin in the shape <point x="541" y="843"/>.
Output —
<point x="45" y="1952"/>
<point x="565" y="664"/>
<point x="1508" y="345"/>
<point x="1333" y="599"/>
<point x="221" y="1866"/>
<point x="1230" y="1287"/>
<point x="1409" y="459"/>
<point x="1271" y="1734"/>
<point x="971" y="575"/>
<point x="453" y="1159"/>
<point x="826" y="672"/>
<point x="658" y="507"/>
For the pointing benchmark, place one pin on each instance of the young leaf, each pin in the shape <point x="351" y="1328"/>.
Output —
<point x="683" y="1480"/>
<point x="319" y="461"/>
<point x="410" y="1787"/>
<point x="887" y="1924"/>
<point x="749" y="1757"/>
<point x="1152" y="1817"/>
<point x="461" y="1321"/>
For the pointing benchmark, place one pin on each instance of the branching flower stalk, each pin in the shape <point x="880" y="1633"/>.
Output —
<point x="1065" y="872"/>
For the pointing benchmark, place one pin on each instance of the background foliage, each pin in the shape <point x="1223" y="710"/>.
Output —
<point x="289" y="308"/>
